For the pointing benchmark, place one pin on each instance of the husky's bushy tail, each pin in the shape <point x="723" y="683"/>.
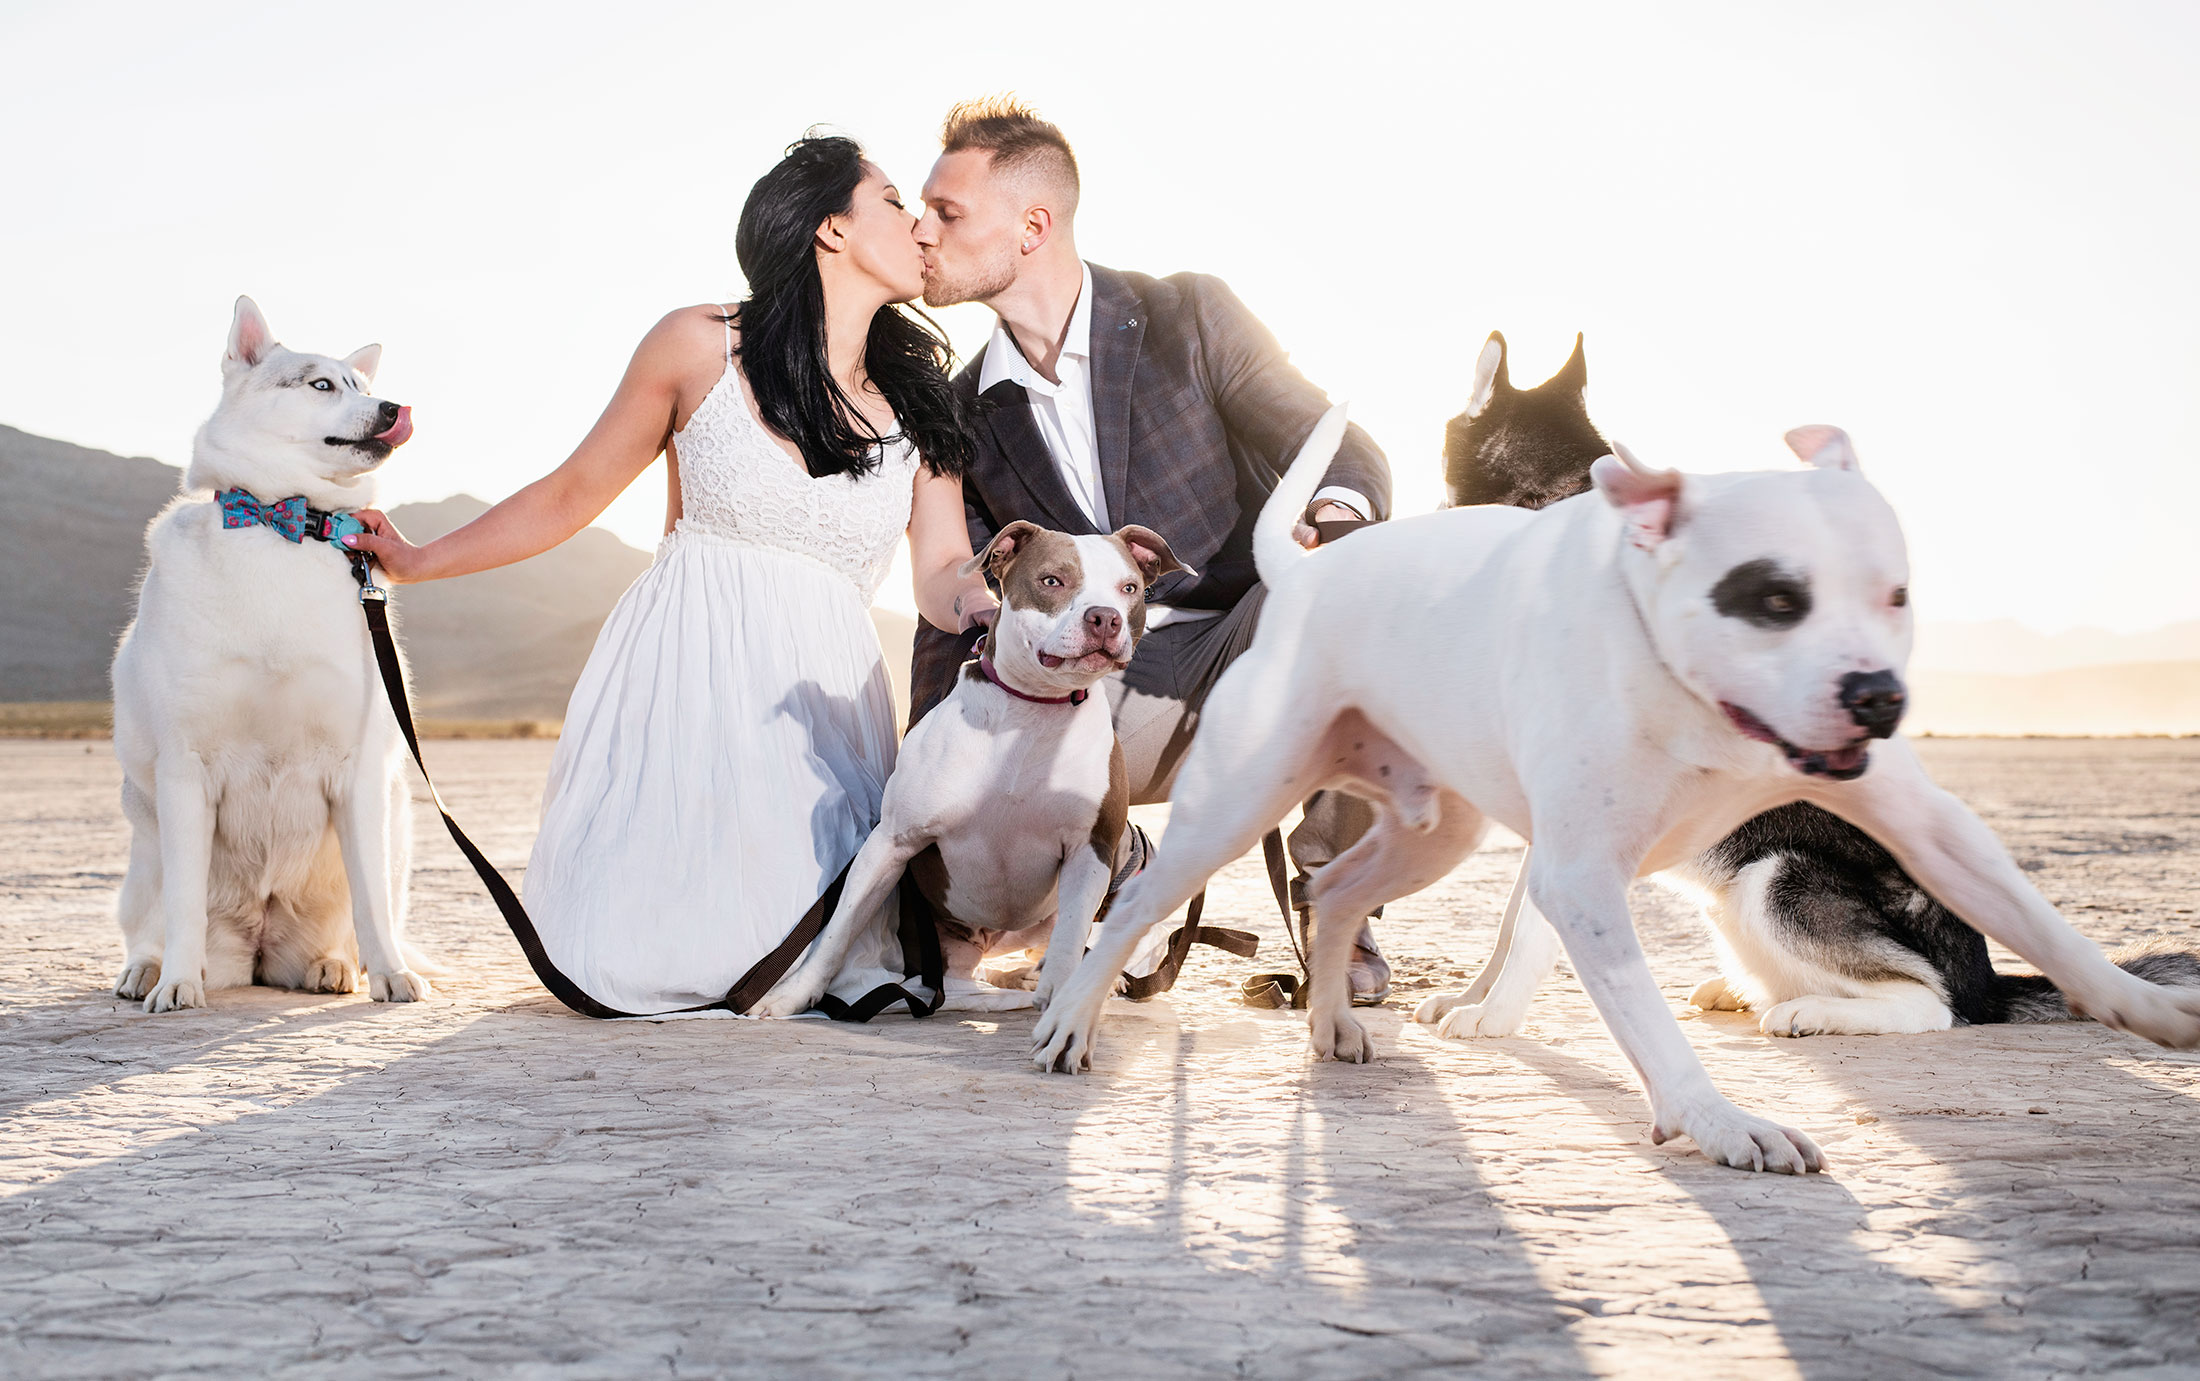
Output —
<point x="1273" y="549"/>
<point x="2030" y="997"/>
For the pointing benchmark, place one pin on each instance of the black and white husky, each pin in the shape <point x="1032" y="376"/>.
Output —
<point x="1817" y="927"/>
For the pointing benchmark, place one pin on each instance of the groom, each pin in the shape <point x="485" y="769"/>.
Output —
<point x="1114" y="398"/>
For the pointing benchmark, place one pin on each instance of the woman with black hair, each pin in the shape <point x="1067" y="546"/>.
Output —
<point x="727" y="744"/>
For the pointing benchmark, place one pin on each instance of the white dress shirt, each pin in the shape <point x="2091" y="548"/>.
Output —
<point x="1063" y="414"/>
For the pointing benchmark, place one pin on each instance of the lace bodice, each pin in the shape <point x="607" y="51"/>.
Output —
<point x="737" y="484"/>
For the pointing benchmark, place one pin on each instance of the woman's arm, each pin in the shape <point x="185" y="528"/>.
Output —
<point x="630" y="434"/>
<point x="939" y="544"/>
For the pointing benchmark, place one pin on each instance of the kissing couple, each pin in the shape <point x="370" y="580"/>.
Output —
<point x="728" y="743"/>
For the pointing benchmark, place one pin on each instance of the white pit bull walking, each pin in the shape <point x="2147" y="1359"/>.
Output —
<point x="1013" y="788"/>
<point x="1621" y="678"/>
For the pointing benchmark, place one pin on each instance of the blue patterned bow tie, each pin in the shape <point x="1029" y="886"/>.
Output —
<point x="292" y="517"/>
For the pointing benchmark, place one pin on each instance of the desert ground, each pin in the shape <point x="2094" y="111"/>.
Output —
<point x="486" y="1184"/>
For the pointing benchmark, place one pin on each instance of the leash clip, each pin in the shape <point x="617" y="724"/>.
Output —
<point x="362" y="570"/>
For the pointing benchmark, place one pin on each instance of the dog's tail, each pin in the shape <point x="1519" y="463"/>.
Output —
<point x="2030" y="997"/>
<point x="1273" y="549"/>
<point x="422" y="962"/>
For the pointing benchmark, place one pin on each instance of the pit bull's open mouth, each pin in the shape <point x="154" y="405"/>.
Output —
<point x="1843" y="764"/>
<point x="383" y="442"/>
<point x="1099" y="659"/>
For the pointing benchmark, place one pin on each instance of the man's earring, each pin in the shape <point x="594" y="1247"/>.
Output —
<point x="1027" y="246"/>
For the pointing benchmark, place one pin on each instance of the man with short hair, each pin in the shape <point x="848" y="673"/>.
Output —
<point x="1111" y="398"/>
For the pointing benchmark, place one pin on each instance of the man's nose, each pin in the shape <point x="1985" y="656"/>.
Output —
<point x="1104" y="623"/>
<point x="1875" y="700"/>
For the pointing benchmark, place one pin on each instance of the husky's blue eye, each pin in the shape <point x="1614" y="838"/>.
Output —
<point x="324" y="385"/>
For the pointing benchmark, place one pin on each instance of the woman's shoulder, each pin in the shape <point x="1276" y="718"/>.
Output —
<point x="704" y="323"/>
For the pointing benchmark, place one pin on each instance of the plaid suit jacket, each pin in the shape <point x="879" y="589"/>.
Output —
<point x="1197" y="412"/>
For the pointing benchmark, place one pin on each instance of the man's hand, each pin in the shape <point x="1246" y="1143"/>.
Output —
<point x="1303" y="532"/>
<point x="398" y="559"/>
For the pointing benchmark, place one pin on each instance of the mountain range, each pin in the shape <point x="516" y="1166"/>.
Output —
<point x="509" y="643"/>
<point x="502" y="644"/>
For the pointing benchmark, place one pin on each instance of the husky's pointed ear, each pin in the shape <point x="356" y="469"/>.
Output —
<point x="366" y="359"/>
<point x="1572" y="376"/>
<point x="1490" y="377"/>
<point x="249" y="338"/>
<point x="1004" y="546"/>
<point x="1648" y="499"/>
<point x="1826" y="447"/>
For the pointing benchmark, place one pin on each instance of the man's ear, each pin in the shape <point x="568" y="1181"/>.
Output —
<point x="1002" y="549"/>
<point x="1826" y="447"/>
<point x="365" y="360"/>
<point x="1151" y="552"/>
<point x="249" y="337"/>
<point x="1038" y="224"/>
<point x="1648" y="499"/>
<point x="1490" y="375"/>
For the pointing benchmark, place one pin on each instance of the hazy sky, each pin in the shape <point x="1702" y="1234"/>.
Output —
<point x="1962" y="231"/>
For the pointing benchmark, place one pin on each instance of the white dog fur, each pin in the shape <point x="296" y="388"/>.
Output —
<point x="1565" y="672"/>
<point x="270" y="820"/>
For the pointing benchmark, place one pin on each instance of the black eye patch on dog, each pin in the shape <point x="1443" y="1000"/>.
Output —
<point x="1761" y="593"/>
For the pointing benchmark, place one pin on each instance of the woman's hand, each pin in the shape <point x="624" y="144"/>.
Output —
<point x="399" y="560"/>
<point x="939" y="547"/>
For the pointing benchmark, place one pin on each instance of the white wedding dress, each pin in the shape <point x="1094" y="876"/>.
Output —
<point x="729" y="740"/>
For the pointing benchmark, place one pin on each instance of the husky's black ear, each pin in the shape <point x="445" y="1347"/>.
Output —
<point x="249" y="337"/>
<point x="1490" y="377"/>
<point x="1572" y="376"/>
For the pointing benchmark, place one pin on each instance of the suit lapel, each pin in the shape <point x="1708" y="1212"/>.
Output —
<point x="1024" y="455"/>
<point x="1118" y="329"/>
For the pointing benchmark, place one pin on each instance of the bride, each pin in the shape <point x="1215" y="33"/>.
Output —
<point x="728" y="742"/>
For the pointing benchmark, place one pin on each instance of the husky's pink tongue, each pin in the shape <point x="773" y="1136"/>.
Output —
<point x="400" y="431"/>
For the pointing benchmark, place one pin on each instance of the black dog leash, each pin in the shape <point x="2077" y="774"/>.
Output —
<point x="919" y="935"/>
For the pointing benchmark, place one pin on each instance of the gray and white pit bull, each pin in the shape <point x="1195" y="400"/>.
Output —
<point x="1010" y="797"/>
<point x="1621" y="678"/>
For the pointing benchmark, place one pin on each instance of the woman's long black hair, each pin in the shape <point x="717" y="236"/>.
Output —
<point x="782" y="323"/>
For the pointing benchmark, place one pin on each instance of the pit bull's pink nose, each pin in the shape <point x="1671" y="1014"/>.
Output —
<point x="1104" y="623"/>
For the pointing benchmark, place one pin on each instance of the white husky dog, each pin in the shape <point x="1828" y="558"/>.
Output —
<point x="261" y="765"/>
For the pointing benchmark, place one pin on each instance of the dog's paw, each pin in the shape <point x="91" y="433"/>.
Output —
<point x="1799" y="1016"/>
<point x="330" y="974"/>
<point x="796" y="992"/>
<point x="174" y="993"/>
<point x="1437" y="1006"/>
<point x="401" y="986"/>
<point x="1339" y="1036"/>
<point x="1063" y="1038"/>
<point x="1730" y="1136"/>
<point x="138" y="978"/>
<point x="2167" y="1016"/>
<point x="1712" y="995"/>
<point x="1481" y="1020"/>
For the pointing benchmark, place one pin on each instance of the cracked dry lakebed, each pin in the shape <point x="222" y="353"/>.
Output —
<point x="485" y="1184"/>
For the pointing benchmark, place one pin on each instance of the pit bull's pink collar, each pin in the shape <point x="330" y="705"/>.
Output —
<point x="985" y="665"/>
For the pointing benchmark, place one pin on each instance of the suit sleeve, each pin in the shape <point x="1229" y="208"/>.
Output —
<point x="1269" y="405"/>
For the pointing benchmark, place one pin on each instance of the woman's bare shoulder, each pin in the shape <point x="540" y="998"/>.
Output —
<point x="687" y="340"/>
